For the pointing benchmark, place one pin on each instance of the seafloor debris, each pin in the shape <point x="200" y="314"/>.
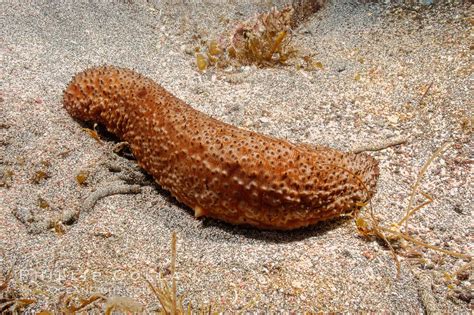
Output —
<point x="264" y="40"/>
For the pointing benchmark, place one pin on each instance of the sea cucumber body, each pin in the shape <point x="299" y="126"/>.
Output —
<point x="219" y="170"/>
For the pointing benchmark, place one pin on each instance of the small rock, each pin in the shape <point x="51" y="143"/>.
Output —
<point x="346" y="253"/>
<point x="297" y="284"/>
<point x="304" y="30"/>
<point x="198" y="90"/>
<point x="25" y="215"/>
<point x="454" y="192"/>
<point x="429" y="265"/>
<point x="368" y="254"/>
<point x="458" y="209"/>
<point x="393" y="119"/>
<point x="234" y="108"/>
<point x="186" y="49"/>
<point x="463" y="276"/>
<point x="262" y="280"/>
<point x="464" y="296"/>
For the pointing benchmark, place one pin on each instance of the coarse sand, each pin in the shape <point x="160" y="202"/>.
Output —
<point x="387" y="71"/>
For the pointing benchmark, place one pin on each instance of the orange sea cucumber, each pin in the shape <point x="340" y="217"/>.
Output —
<point x="221" y="171"/>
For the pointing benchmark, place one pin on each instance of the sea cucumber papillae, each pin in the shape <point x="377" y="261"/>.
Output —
<point x="221" y="171"/>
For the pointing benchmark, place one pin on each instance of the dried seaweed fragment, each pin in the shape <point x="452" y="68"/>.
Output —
<point x="82" y="177"/>
<point x="42" y="203"/>
<point x="10" y="303"/>
<point x="214" y="49"/>
<point x="201" y="62"/>
<point x="68" y="305"/>
<point x="393" y="233"/>
<point x="93" y="133"/>
<point x="166" y="294"/>
<point x="6" y="178"/>
<point x="124" y="304"/>
<point x="39" y="176"/>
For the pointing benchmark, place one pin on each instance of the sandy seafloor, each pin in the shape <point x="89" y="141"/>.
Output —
<point x="378" y="62"/>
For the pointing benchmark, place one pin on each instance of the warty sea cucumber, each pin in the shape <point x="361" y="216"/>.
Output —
<point x="221" y="171"/>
